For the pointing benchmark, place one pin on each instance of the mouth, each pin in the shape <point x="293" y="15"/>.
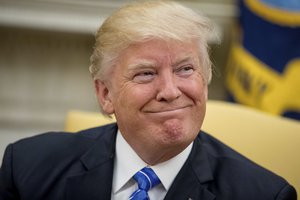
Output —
<point x="167" y="110"/>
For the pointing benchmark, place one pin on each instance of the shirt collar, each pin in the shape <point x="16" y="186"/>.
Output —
<point x="168" y="170"/>
<point x="127" y="163"/>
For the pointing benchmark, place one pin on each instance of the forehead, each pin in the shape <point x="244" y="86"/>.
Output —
<point x="155" y="51"/>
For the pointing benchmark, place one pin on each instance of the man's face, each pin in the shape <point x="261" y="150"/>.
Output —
<point x="158" y="95"/>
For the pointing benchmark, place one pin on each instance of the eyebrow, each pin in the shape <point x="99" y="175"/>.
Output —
<point x="183" y="60"/>
<point x="141" y="63"/>
<point x="145" y="63"/>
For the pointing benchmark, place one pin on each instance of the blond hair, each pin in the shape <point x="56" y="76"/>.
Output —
<point x="142" y="21"/>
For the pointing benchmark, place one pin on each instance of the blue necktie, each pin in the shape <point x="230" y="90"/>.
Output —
<point x="146" y="179"/>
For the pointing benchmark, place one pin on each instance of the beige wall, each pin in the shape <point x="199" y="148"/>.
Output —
<point x="42" y="76"/>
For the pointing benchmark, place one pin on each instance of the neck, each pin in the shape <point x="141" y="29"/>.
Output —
<point x="156" y="155"/>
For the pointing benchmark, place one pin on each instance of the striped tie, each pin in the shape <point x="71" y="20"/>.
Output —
<point x="146" y="179"/>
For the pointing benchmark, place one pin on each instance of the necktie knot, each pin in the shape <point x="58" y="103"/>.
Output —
<point x="146" y="179"/>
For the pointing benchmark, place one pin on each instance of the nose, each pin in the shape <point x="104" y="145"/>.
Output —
<point x="168" y="89"/>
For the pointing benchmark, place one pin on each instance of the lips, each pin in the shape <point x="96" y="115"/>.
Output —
<point x="166" y="109"/>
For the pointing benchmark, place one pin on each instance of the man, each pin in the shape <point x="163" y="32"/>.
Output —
<point x="151" y="70"/>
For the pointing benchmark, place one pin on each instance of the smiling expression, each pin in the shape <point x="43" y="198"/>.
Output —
<point x="158" y="95"/>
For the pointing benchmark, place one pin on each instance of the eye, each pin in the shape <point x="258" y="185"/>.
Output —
<point x="144" y="76"/>
<point x="185" y="70"/>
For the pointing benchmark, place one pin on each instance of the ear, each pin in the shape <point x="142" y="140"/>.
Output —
<point x="205" y="91"/>
<point x="104" y="96"/>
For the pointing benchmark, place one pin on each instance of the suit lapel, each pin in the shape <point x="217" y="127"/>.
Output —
<point x="194" y="177"/>
<point x="94" y="179"/>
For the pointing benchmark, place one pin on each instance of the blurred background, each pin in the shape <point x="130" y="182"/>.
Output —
<point x="45" y="47"/>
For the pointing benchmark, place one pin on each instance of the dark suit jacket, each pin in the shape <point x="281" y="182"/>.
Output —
<point x="79" y="166"/>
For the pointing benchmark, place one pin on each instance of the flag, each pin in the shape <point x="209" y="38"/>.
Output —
<point x="263" y="70"/>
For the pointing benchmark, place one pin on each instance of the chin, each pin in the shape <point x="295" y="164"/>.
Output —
<point x="177" y="144"/>
<point x="175" y="133"/>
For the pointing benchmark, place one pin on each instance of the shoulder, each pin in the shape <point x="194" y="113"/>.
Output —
<point x="53" y="147"/>
<point x="46" y="160"/>
<point x="224" y="159"/>
<point x="234" y="172"/>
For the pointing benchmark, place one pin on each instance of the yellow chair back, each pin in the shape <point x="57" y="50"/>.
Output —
<point x="271" y="141"/>
<point x="78" y="120"/>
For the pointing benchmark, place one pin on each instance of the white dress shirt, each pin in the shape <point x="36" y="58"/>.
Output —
<point x="127" y="163"/>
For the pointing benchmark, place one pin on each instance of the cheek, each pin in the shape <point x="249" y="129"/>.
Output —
<point x="196" y="89"/>
<point x="134" y="96"/>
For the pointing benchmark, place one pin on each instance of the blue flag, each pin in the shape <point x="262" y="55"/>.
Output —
<point x="264" y="65"/>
